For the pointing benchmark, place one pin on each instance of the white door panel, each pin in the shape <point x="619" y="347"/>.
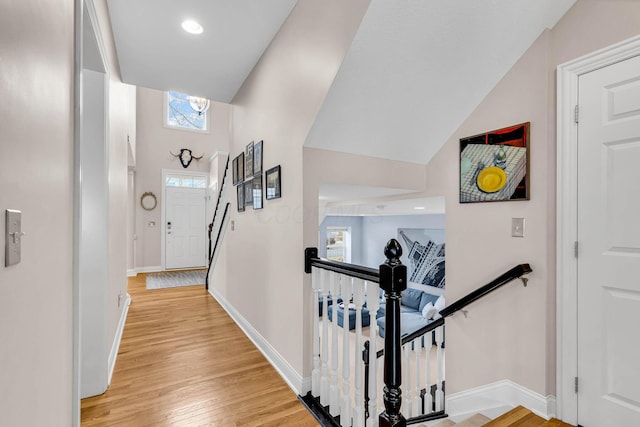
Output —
<point x="185" y="228"/>
<point x="609" y="242"/>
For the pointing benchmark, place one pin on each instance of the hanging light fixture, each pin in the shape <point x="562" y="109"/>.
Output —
<point x="201" y="105"/>
<point x="192" y="27"/>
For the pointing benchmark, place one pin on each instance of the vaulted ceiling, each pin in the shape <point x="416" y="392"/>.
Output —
<point x="415" y="71"/>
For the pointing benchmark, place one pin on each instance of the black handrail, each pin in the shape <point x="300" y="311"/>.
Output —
<point x="215" y="213"/>
<point x="353" y="270"/>
<point x="515" y="273"/>
<point x="224" y="215"/>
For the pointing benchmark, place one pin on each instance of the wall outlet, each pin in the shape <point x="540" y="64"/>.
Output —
<point x="517" y="227"/>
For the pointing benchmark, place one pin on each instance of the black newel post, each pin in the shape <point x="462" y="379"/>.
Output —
<point x="393" y="279"/>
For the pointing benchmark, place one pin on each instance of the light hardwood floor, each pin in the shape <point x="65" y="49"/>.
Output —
<point x="184" y="362"/>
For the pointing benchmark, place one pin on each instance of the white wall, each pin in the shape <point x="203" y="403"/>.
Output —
<point x="103" y="197"/>
<point x="36" y="149"/>
<point x="511" y="334"/>
<point x="93" y="238"/>
<point x="277" y="103"/>
<point x="154" y="142"/>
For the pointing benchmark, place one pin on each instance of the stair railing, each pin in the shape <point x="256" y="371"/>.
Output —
<point x="212" y="250"/>
<point x="338" y="398"/>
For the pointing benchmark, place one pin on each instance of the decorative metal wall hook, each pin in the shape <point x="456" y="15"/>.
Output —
<point x="186" y="157"/>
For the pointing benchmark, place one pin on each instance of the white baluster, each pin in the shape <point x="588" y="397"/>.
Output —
<point x="417" y="401"/>
<point x="373" y="303"/>
<point x="406" y="379"/>
<point x="334" y="400"/>
<point x="358" y="300"/>
<point x="440" y="367"/>
<point x="316" y="295"/>
<point x="428" y="399"/>
<point x="324" y="381"/>
<point x="345" y="412"/>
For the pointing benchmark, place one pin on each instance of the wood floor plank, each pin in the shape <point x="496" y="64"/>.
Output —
<point x="184" y="362"/>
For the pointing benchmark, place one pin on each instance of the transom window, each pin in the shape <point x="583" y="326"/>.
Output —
<point x="185" y="181"/>
<point x="179" y="113"/>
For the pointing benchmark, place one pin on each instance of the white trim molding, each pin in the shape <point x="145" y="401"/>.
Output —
<point x="294" y="380"/>
<point x="163" y="209"/>
<point x="151" y="269"/>
<point x="567" y="211"/>
<point x="113" y="355"/>
<point x="497" y="398"/>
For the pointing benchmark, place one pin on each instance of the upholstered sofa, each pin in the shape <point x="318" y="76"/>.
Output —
<point x="417" y="309"/>
<point x="351" y="315"/>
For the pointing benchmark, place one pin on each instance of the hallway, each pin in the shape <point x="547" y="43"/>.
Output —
<point x="184" y="362"/>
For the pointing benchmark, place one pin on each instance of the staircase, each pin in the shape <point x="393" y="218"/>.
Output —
<point x="518" y="416"/>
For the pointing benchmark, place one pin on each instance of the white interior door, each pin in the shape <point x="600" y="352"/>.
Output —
<point x="609" y="246"/>
<point x="185" y="227"/>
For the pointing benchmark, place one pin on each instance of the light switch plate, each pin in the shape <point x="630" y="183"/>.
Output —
<point x="13" y="237"/>
<point x="517" y="227"/>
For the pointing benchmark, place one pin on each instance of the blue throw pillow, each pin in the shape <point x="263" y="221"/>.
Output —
<point x="426" y="299"/>
<point x="411" y="298"/>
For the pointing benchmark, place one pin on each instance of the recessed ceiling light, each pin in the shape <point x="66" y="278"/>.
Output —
<point x="419" y="208"/>
<point x="191" y="26"/>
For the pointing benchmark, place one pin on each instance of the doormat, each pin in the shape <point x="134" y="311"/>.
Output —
<point x="174" y="279"/>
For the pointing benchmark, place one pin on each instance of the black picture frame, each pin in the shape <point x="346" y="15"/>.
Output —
<point x="234" y="170"/>
<point x="240" y="199"/>
<point x="273" y="179"/>
<point x="248" y="160"/>
<point x="257" y="159"/>
<point x="248" y="193"/>
<point x="239" y="169"/>
<point x="257" y="192"/>
<point x="494" y="165"/>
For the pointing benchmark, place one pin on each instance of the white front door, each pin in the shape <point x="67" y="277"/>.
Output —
<point x="185" y="227"/>
<point x="609" y="246"/>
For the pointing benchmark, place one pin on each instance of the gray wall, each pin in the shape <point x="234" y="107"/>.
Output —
<point x="377" y="230"/>
<point x="352" y="222"/>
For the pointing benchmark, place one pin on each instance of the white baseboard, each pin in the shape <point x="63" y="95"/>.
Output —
<point x="286" y="371"/>
<point x="113" y="355"/>
<point x="135" y="271"/>
<point x="499" y="397"/>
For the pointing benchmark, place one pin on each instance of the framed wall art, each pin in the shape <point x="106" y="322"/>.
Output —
<point x="234" y="170"/>
<point x="273" y="179"/>
<point x="238" y="169"/>
<point x="240" y="200"/>
<point x="257" y="192"/>
<point x="494" y="166"/>
<point x="248" y="158"/>
<point x="257" y="159"/>
<point x="248" y="193"/>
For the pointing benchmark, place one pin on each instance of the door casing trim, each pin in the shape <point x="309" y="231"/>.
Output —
<point x="566" y="216"/>
<point x="163" y="205"/>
